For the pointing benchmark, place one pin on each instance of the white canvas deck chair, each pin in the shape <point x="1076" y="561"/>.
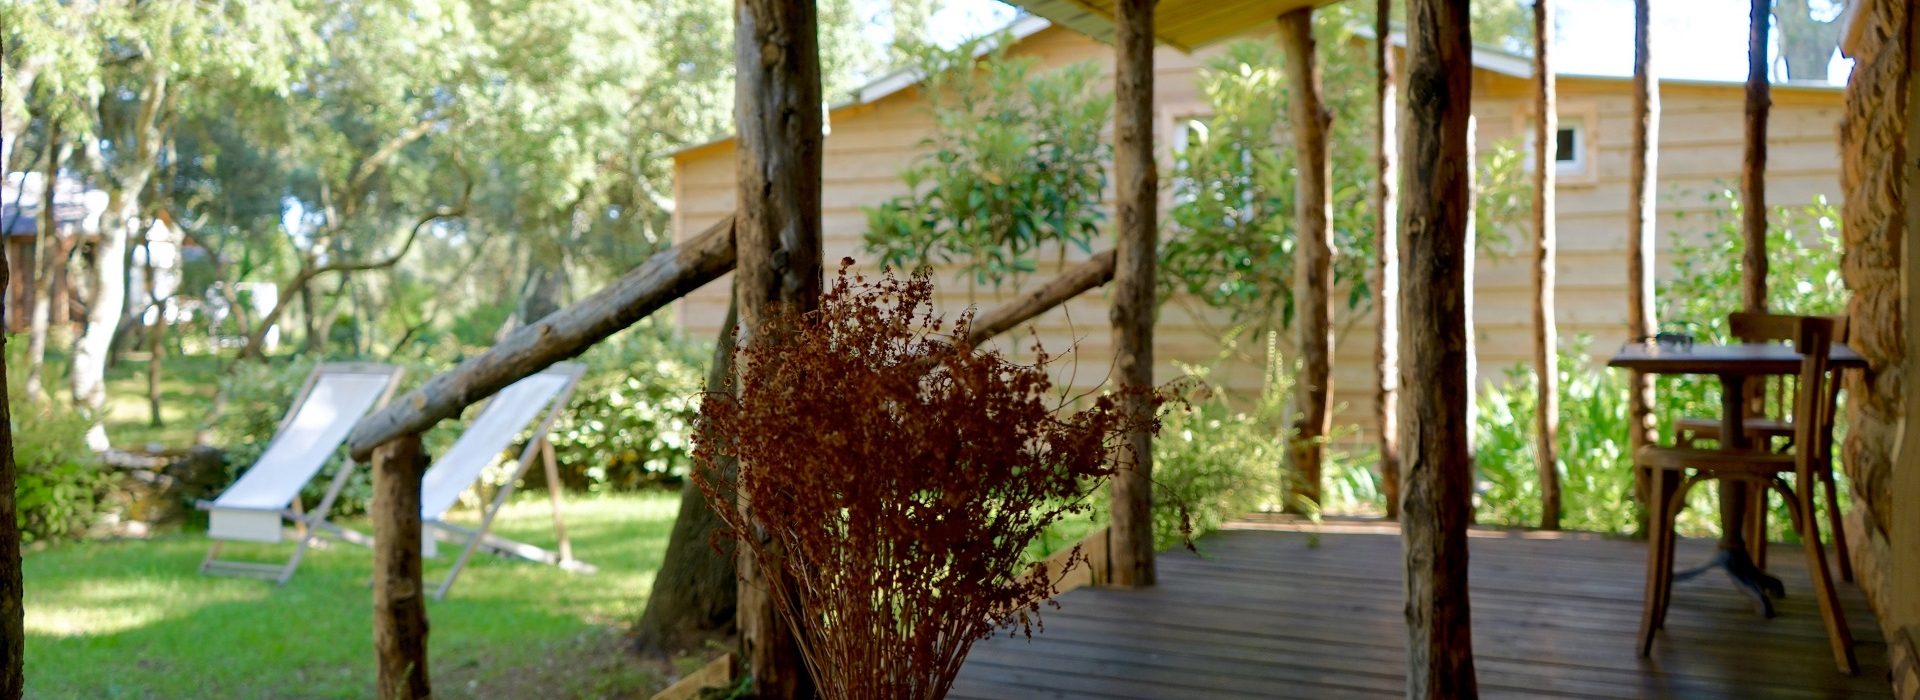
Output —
<point x="508" y="413"/>
<point x="335" y="397"/>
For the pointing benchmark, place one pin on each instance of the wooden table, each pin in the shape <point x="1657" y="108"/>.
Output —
<point x="1733" y="364"/>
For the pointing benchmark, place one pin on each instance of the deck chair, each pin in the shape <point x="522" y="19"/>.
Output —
<point x="335" y="397"/>
<point x="509" y="412"/>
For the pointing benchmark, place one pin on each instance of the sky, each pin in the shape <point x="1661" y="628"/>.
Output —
<point x="1692" y="39"/>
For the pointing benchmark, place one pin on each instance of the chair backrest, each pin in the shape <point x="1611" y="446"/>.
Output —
<point x="1783" y="328"/>
<point x="1813" y="338"/>
<point x="334" y="398"/>
<point x="505" y="416"/>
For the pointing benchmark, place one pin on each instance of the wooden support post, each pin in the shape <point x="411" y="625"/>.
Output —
<point x="1904" y="540"/>
<point x="1642" y="176"/>
<point x="1386" y="352"/>
<point x="553" y="498"/>
<point x="777" y="110"/>
<point x="1546" y="132"/>
<point x="1433" y="413"/>
<point x="1313" y="260"/>
<point x="12" y="610"/>
<point x="399" y="600"/>
<point x="1753" y="167"/>
<point x="1136" y="203"/>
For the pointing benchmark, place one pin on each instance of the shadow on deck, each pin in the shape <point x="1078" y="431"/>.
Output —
<point x="1278" y="609"/>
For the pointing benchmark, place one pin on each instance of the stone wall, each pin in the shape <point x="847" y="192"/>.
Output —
<point x="1874" y="147"/>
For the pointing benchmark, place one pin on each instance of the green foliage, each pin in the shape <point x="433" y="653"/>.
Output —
<point x="1214" y="462"/>
<point x="1231" y="230"/>
<point x="630" y="421"/>
<point x="60" y="483"/>
<point x="1016" y="162"/>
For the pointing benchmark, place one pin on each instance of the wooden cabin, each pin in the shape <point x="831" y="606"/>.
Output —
<point x="76" y="213"/>
<point x="875" y="136"/>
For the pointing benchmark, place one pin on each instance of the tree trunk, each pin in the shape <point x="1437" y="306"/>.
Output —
<point x="695" y="592"/>
<point x="1433" y="413"/>
<point x="1806" y="44"/>
<point x="156" y="342"/>
<point x="1386" y="352"/>
<point x="1136" y="200"/>
<point x="46" y="240"/>
<point x="1313" y="256"/>
<point x="1546" y="131"/>
<point x="778" y="116"/>
<point x="399" y="600"/>
<point x="108" y="272"/>
<point x="1642" y="177"/>
<point x="1753" y="167"/>
<point x="12" y="621"/>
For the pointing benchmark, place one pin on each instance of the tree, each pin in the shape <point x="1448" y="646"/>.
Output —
<point x="1809" y="34"/>
<point x="150" y="57"/>
<point x="12" y="608"/>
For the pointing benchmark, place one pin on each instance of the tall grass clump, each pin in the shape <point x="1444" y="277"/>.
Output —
<point x="895" y="480"/>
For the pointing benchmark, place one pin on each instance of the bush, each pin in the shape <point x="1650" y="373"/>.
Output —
<point x="61" y="485"/>
<point x="898" y="496"/>
<point x="630" y="423"/>
<point x="1213" y="463"/>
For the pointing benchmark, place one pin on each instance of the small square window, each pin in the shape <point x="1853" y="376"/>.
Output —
<point x="1565" y="144"/>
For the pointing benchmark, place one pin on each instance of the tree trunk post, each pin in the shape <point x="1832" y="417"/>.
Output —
<point x="1313" y="260"/>
<point x="1136" y="204"/>
<point x="46" y="238"/>
<point x="695" y="591"/>
<point x="399" y="600"/>
<point x="1433" y="413"/>
<point x="777" y="108"/>
<point x="1386" y="352"/>
<point x="1753" y="167"/>
<point x="1546" y="132"/>
<point x="1643" y="167"/>
<point x="12" y="610"/>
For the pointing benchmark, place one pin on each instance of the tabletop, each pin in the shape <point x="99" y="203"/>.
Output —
<point x="1739" y="358"/>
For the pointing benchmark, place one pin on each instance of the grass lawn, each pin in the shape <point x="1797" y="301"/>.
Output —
<point x="135" y="619"/>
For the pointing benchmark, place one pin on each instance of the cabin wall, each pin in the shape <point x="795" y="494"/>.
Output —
<point x="1700" y="153"/>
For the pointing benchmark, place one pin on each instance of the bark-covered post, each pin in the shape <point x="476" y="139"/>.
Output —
<point x="1546" y="131"/>
<point x="1642" y="175"/>
<point x="1313" y="259"/>
<point x="12" y="621"/>
<point x="1438" y="474"/>
<point x="1136" y="216"/>
<point x="777" y="111"/>
<point x="399" y="599"/>
<point x="1386" y="352"/>
<point x="695" y="591"/>
<point x="1753" y="166"/>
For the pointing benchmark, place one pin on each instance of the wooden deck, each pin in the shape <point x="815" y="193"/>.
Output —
<point x="1272" y="611"/>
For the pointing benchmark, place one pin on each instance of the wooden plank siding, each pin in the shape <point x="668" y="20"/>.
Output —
<point x="870" y="144"/>
<point x="1273" y="608"/>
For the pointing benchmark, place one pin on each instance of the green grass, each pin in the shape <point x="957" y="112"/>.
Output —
<point x="135" y="619"/>
<point x="187" y="384"/>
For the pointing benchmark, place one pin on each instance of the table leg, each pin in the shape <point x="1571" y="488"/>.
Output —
<point x="1734" y="555"/>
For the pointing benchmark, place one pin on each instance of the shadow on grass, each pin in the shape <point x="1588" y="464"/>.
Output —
<point x="135" y="619"/>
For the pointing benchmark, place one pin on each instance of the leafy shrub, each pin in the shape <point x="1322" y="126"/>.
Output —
<point x="1212" y="462"/>
<point x="60" y="484"/>
<point x="1017" y="161"/>
<point x="897" y="500"/>
<point x="630" y="422"/>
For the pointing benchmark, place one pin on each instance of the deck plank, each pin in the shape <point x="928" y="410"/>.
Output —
<point x="1269" y="611"/>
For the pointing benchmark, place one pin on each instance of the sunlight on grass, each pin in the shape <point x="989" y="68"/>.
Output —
<point x="136" y="619"/>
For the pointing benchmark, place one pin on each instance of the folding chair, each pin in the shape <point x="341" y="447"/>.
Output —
<point x="505" y="416"/>
<point x="335" y="396"/>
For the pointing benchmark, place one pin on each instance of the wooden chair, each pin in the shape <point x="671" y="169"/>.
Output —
<point x="1676" y="470"/>
<point x="1771" y="426"/>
